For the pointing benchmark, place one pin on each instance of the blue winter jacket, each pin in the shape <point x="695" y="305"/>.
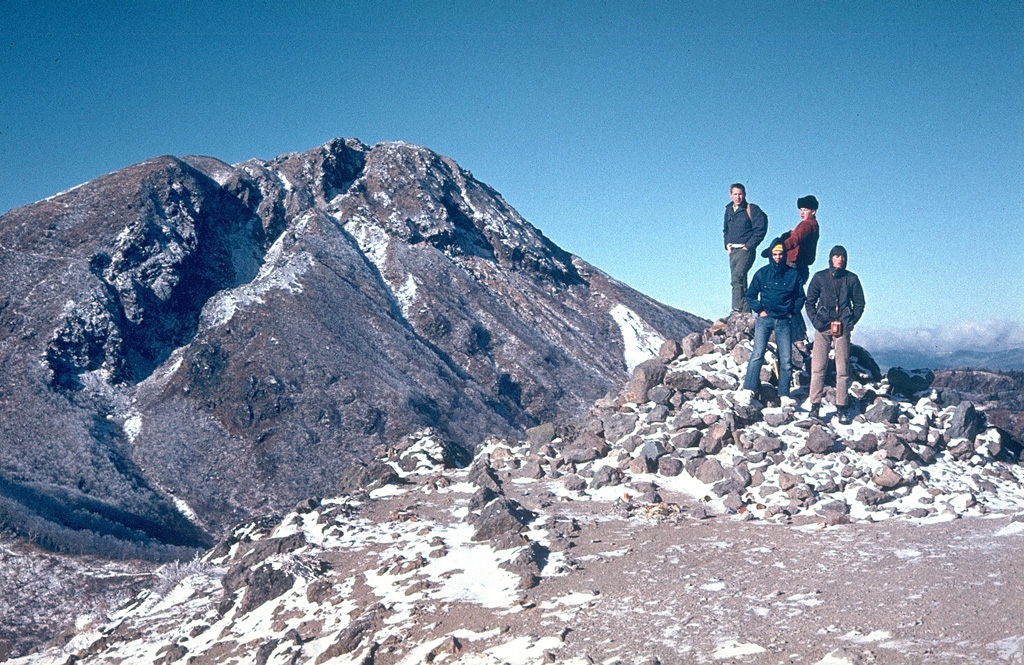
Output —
<point x="776" y="289"/>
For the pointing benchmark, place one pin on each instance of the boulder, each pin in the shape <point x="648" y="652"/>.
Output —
<point x="966" y="423"/>
<point x="540" y="436"/>
<point x="909" y="382"/>
<point x="710" y="471"/>
<point x="714" y="439"/>
<point x="688" y="438"/>
<point x="685" y="381"/>
<point x="653" y="449"/>
<point x="768" y="444"/>
<point x="659" y="395"/>
<point x="670" y="350"/>
<point x="871" y="497"/>
<point x="499" y="517"/>
<point x="788" y="481"/>
<point x="819" y="440"/>
<point x="605" y="476"/>
<point x="865" y="444"/>
<point x="646" y="375"/>
<point x="689" y="345"/>
<point x="618" y="425"/>
<point x="886" y="478"/>
<point x="669" y="466"/>
<point x="883" y="412"/>
<point x="658" y="413"/>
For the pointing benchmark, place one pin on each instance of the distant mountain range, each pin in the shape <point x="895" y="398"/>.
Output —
<point x="1007" y="359"/>
<point x="188" y="343"/>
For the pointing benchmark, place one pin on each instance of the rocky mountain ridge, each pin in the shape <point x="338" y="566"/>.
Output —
<point x="434" y="561"/>
<point x="188" y="343"/>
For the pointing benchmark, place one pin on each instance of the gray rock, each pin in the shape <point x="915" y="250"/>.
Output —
<point x="882" y="412"/>
<point x="740" y="354"/>
<point x="710" y="471"/>
<point x="642" y="464"/>
<point x="689" y="344"/>
<point x="531" y="469"/>
<point x="887" y="479"/>
<point x="897" y="450"/>
<point x="659" y="395"/>
<point x="669" y="466"/>
<point x="499" y="517"/>
<point x="872" y="497"/>
<point x="966" y="423"/>
<point x="909" y="382"/>
<point x="605" y="476"/>
<point x="733" y="501"/>
<point x="658" y="414"/>
<point x="866" y="444"/>
<point x="836" y="507"/>
<point x="540" y="436"/>
<point x="685" y="417"/>
<point x="741" y="475"/>
<point x="574" y="483"/>
<point x="926" y="454"/>
<point x="714" y="439"/>
<point x="670" y="350"/>
<point x="618" y="425"/>
<point x="788" y="481"/>
<point x="688" y="438"/>
<point x="653" y="449"/>
<point x="685" y="381"/>
<point x="778" y="418"/>
<point x="819" y="440"/>
<point x="768" y="444"/>
<point x="646" y="375"/>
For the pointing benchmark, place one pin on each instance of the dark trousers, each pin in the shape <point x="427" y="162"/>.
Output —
<point x="740" y="261"/>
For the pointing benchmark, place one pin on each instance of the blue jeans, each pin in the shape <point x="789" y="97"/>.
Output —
<point x="783" y="339"/>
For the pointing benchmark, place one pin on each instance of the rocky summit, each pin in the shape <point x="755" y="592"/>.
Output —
<point x="678" y="521"/>
<point x="187" y="343"/>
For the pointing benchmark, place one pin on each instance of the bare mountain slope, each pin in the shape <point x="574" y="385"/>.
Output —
<point x="187" y="343"/>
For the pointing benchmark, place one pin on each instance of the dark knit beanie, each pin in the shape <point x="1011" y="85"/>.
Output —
<point x="808" y="202"/>
<point x="838" y="250"/>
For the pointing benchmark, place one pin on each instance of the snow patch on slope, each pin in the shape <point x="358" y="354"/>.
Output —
<point x="641" y="342"/>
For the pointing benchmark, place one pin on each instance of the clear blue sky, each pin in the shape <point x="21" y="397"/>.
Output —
<point x="614" y="127"/>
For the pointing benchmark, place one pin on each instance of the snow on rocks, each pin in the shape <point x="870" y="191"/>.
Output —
<point x="683" y="431"/>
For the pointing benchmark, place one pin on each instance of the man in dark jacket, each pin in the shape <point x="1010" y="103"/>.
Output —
<point x="835" y="303"/>
<point x="744" y="228"/>
<point x="776" y="296"/>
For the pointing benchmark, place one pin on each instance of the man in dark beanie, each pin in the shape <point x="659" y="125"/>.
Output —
<point x="801" y="245"/>
<point x="743" y="230"/>
<point x="835" y="303"/>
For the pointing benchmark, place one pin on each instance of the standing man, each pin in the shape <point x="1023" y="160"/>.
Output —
<point x="801" y="245"/>
<point x="835" y="303"/>
<point x="744" y="228"/>
<point x="776" y="296"/>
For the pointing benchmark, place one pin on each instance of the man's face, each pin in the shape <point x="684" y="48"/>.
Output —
<point x="737" y="195"/>
<point x="777" y="256"/>
<point x="807" y="213"/>
<point x="838" y="261"/>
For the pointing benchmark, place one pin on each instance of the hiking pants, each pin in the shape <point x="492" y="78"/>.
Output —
<point x="819" y="362"/>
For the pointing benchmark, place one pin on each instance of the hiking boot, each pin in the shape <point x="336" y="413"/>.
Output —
<point x="815" y="408"/>
<point x="844" y="416"/>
